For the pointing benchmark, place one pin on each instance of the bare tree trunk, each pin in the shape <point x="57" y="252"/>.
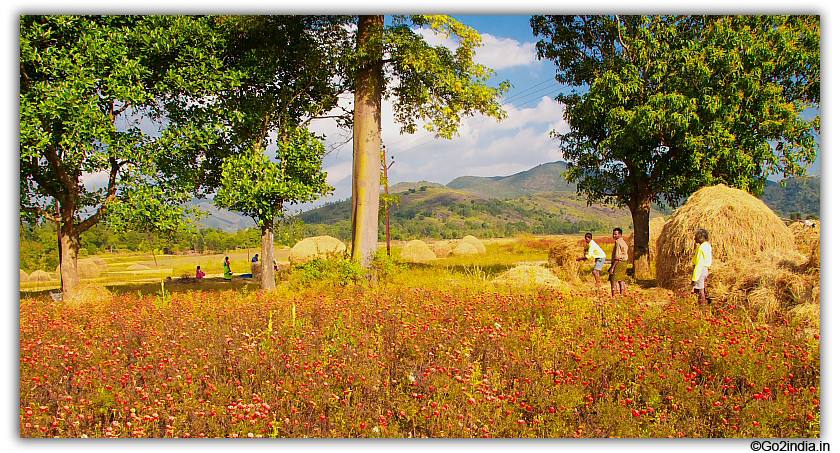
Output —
<point x="367" y="141"/>
<point x="267" y="263"/>
<point x="641" y="241"/>
<point x="70" y="245"/>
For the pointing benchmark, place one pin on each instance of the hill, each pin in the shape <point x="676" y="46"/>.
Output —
<point x="542" y="178"/>
<point x="792" y="196"/>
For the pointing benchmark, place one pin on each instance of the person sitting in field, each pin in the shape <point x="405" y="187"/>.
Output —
<point x="702" y="263"/>
<point x="199" y="273"/>
<point x="256" y="258"/>
<point x="594" y="251"/>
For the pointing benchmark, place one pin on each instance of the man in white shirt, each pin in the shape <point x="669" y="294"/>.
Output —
<point x="594" y="251"/>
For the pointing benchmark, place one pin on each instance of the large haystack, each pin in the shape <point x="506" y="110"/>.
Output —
<point x="739" y="225"/>
<point x="442" y="249"/>
<point x="563" y="255"/>
<point x="464" y="248"/>
<point x="417" y="252"/>
<point x="479" y="246"/>
<point x="40" y="276"/>
<point x="24" y="277"/>
<point x="316" y="247"/>
<point x="528" y="275"/>
<point x="86" y="293"/>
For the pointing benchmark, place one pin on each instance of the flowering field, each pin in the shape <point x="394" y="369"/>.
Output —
<point x="401" y="361"/>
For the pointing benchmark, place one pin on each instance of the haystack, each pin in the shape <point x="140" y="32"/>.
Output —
<point x="807" y="241"/>
<point x="528" y="275"/>
<point x="24" y="277"/>
<point x="417" y="252"/>
<point x="479" y="246"/>
<point x="739" y="225"/>
<point x="563" y="255"/>
<point x="40" y="276"/>
<point x="103" y="266"/>
<point x="442" y="249"/>
<point x="256" y="269"/>
<point x="316" y="247"/>
<point x="86" y="293"/>
<point x="464" y="248"/>
<point x="85" y="267"/>
<point x="138" y="267"/>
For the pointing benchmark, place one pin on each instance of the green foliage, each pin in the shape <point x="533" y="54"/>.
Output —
<point x="328" y="272"/>
<point x="674" y="103"/>
<point x="258" y="187"/>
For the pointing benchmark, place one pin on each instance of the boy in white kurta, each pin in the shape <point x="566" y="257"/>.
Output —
<point x="702" y="263"/>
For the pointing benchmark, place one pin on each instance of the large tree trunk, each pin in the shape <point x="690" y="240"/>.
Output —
<point x="641" y="240"/>
<point x="267" y="263"/>
<point x="367" y="141"/>
<point x="70" y="245"/>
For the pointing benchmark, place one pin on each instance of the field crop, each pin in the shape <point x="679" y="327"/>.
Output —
<point x="458" y="358"/>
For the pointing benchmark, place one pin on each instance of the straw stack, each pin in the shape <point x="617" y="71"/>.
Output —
<point x="417" y="252"/>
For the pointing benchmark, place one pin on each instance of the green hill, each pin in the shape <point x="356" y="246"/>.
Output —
<point x="542" y="178"/>
<point x="798" y="195"/>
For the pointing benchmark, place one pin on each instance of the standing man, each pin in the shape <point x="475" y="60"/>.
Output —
<point x="702" y="263"/>
<point x="594" y="251"/>
<point x="618" y="269"/>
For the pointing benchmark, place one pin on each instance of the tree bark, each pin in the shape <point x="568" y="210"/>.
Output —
<point x="367" y="141"/>
<point x="641" y="240"/>
<point x="267" y="263"/>
<point x="70" y="245"/>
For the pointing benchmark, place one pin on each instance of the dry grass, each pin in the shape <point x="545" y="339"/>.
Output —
<point x="464" y="248"/>
<point x="807" y="241"/>
<point x="739" y="225"/>
<point x="529" y="275"/>
<point x="475" y="242"/>
<point x="417" y="252"/>
<point x="86" y="293"/>
<point x="316" y="247"/>
<point x="442" y="249"/>
<point x="563" y="255"/>
<point x="24" y="277"/>
<point x="40" y="276"/>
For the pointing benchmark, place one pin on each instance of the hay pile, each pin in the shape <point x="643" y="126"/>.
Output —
<point x="316" y="247"/>
<point x="475" y="242"/>
<point x="442" y="249"/>
<point x="528" y="275"/>
<point x="85" y="293"/>
<point x="24" y="277"/>
<point x="86" y="268"/>
<point x="464" y="248"/>
<point x="417" y="252"/>
<point x="757" y="263"/>
<point x="563" y="256"/>
<point x="739" y="225"/>
<point x="256" y="269"/>
<point x="103" y="266"/>
<point x="40" y="276"/>
<point x="807" y="240"/>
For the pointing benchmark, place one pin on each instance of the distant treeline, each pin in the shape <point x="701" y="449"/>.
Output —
<point x="39" y="244"/>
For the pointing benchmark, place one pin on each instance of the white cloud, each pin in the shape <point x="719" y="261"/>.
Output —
<point x="495" y="53"/>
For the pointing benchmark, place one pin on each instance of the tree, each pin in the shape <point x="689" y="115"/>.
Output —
<point x="431" y="84"/>
<point x="664" y="105"/>
<point x="292" y="67"/>
<point x="259" y="188"/>
<point x="91" y="90"/>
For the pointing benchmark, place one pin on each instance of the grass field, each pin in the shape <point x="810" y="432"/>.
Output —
<point x="435" y="350"/>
